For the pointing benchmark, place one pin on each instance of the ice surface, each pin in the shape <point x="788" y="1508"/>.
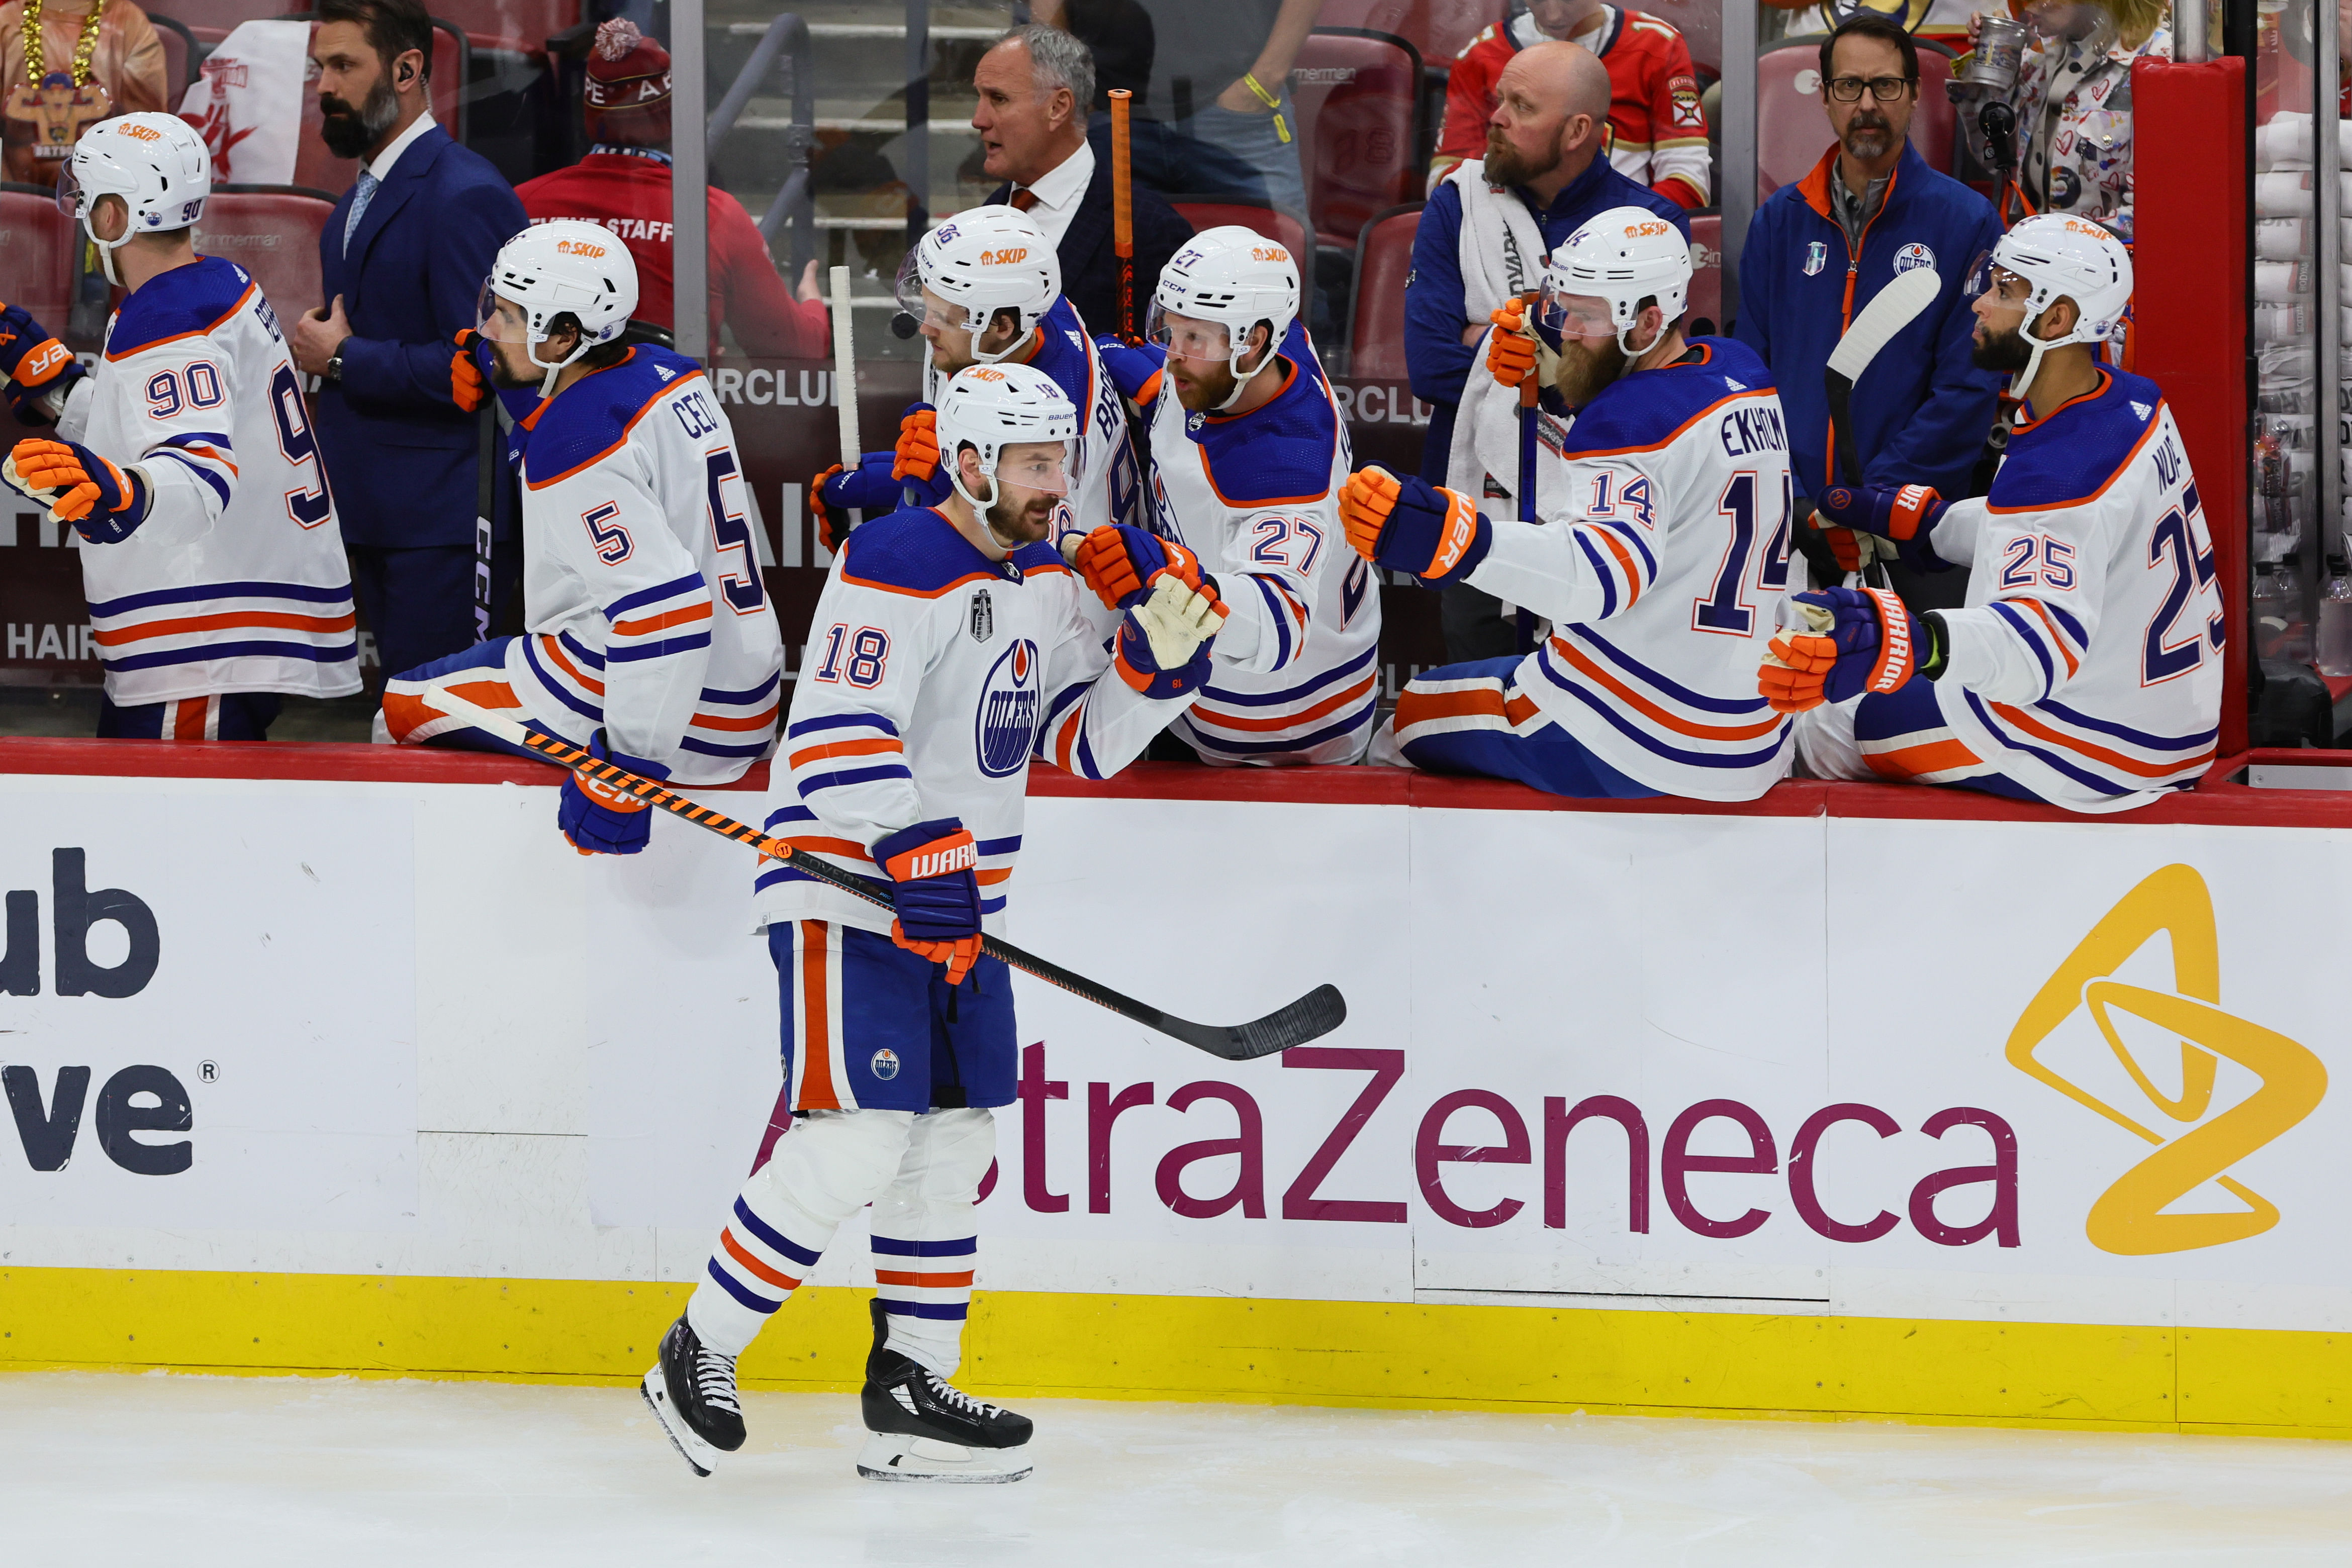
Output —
<point x="202" y="1472"/>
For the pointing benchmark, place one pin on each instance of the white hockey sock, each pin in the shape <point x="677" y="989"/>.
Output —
<point x="925" y="1247"/>
<point x="830" y="1166"/>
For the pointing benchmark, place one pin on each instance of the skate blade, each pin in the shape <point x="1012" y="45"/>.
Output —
<point x="699" y="1455"/>
<point x="888" y="1458"/>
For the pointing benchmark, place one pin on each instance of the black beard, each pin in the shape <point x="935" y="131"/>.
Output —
<point x="348" y="131"/>
<point x="2007" y="352"/>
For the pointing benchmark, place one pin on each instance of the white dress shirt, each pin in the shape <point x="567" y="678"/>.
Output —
<point x="1059" y="191"/>
<point x="382" y="164"/>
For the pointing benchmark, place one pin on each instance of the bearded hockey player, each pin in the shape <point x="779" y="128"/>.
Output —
<point x="2085" y="669"/>
<point x="1663" y="577"/>
<point x="1248" y="452"/>
<point x="212" y="563"/>
<point x="949" y="648"/>
<point x="651" y="640"/>
<point x="985" y="288"/>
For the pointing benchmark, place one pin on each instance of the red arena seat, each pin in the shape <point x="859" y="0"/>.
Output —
<point x="180" y="51"/>
<point x="37" y="257"/>
<point x="1440" y="29"/>
<point x="1792" y="131"/>
<point x="1359" y="128"/>
<point x="272" y="232"/>
<point x="1211" y="212"/>
<point x="1376" y="311"/>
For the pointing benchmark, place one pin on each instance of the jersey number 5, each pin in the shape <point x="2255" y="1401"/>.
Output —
<point x="739" y="579"/>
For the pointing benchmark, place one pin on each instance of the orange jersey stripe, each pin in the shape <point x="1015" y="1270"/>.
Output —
<point x="227" y="621"/>
<point x="1418" y="708"/>
<point x="1231" y="721"/>
<point x="731" y="722"/>
<point x="2035" y="727"/>
<point x="662" y="622"/>
<point x="554" y="650"/>
<point x="844" y="848"/>
<point x="1625" y="559"/>
<point x="843" y="749"/>
<point x="816" y="1043"/>
<point x="188" y="718"/>
<point x="1651" y="710"/>
<point x="2073" y="663"/>
<point x="1934" y="757"/>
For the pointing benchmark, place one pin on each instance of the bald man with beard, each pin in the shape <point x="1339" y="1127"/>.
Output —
<point x="1482" y="239"/>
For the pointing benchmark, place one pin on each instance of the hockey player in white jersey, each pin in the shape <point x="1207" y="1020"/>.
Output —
<point x="985" y="288"/>
<point x="1662" y="577"/>
<point x="213" y="567"/>
<point x="2085" y="669"/>
<point x="650" y="640"/>
<point x="1248" y="452"/>
<point x="950" y="647"/>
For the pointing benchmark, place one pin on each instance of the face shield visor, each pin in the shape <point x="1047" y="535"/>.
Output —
<point x="1042" y="466"/>
<point x="1560" y="316"/>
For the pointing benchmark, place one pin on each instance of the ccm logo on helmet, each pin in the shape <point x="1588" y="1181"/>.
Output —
<point x="142" y="133"/>
<point x="578" y="247"/>
<point x="1003" y="257"/>
<point x="1643" y="231"/>
<point x="1268" y="253"/>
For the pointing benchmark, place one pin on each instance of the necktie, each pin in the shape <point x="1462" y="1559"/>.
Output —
<point x="1023" y="199"/>
<point x="361" y="197"/>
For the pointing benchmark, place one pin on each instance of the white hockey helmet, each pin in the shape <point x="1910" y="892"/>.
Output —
<point x="991" y="407"/>
<point x="1232" y="277"/>
<point x="565" y="266"/>
<point x="156" y="162"/>
<point x="1624" y="257"/>
<point x="981" y="261"/>
<point x="2061" y="258"/>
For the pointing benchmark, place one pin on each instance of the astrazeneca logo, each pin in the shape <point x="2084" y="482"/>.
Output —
<point x="2128" y="1218"/>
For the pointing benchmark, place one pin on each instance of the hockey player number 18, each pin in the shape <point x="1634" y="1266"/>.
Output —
<point x="311" y="505"/>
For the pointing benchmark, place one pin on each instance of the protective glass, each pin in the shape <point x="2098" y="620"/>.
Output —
<point x="1885" y="90"/>
<point x="1560" y="315"/>
<point x="507" y="325"/>
<point x="1189" y="336"/>
<point x="1039" y="465"/>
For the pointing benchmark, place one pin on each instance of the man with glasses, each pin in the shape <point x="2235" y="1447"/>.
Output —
<point x="1820" y="250"/>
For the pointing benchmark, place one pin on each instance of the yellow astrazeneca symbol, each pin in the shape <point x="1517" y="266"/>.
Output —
<point x="2126" y="1219"/>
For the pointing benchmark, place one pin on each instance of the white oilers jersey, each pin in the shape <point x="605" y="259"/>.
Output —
<point x="641" y="588"/>
<point x="933" y="676"/>
<point x="236" y="580"/>
<point x="1104" y="479"/>
<point x="1663" y="577"/>
<point x="1295" y="674"/>
<point x="2087" y="665"/>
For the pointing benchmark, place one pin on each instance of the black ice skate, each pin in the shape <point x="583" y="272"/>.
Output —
<point x="692" y="1391"/>
<point x="926" y="1430"/>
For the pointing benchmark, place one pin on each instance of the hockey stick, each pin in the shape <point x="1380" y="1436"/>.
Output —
<point x="1311" y="1017"/>
<point x="485" y="498"/>
<point x="1122" y="213"/>
<point x="1529" y="414"/>
<point x="844" y="378"/>
<point x="1894" y="308"/>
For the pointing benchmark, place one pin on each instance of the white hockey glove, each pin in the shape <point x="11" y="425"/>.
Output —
<point x="1177" y="620"/>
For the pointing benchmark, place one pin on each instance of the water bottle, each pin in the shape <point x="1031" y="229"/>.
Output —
<point x="2294" y="641"/>
<point x="2335" y="620"/>
<point x="2270" y="609"/>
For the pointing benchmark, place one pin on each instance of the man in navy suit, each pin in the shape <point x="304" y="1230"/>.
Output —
<point x="404" y="258"/>
<point x="1034" y="86"/>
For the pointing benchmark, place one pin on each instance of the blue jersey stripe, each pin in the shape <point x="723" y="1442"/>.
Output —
<point x="663" y="649"/>
<point x="1665" y="684"/>
<point x="932" y="1309"/>
<point x="2049" y="759"/>
<point x="1607" y="710"/>
<point x="196" y="466"/>
<point x="712" y="749"/>
<point x="842" y="721"/>
<point x="131" y="602"/>
<point x="851" y="776"/>
<point x="585" y="708"/>
<point x="580" y="651"/>
<point x="1608" y="578"/>
<point x="754" y="694"/>
<point x="998" y="846"/>
<point x="2125" y="732"/>
<point x="2032" y="639"/>
<point x="760" y="1304"/>
<point x="1299" y="743"/>
<point x="1291" y="693"/>
<point x="676" y="587"/>
<point x="204" y="651"/>
<point x="1281" y="619"/>
<point x="1615" y="527"/>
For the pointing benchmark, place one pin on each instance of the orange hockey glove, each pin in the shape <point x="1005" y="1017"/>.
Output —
<point x="1510" y="352"/>
<point x="467" y="388"/>
<point x="917" y="454"/>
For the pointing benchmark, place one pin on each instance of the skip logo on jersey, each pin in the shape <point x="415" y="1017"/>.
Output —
<point x="2128" y="1218"/>
<point x="983" y="617"/>
<point x="1006" y="724"/>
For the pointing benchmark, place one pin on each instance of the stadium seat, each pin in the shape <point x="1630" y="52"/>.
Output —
<point x="272" y="232"/>
<point x="180" y="54"/>
<point x="1700" y="22"/>
<point x="1360" y="127"/>
<point x="1440" y="29"/>
<point x="1214" y="212"/>
<point x="36" y="252"/>
<point x="1792" y="131"/>
<point x="1376" y="305"/>
<point x="1706" y="302"/>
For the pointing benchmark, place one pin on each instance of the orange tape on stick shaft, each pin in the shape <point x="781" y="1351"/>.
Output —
<point x="1122" y="211"/>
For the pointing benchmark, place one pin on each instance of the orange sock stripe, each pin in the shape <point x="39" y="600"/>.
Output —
<point x="924" y="1281"/>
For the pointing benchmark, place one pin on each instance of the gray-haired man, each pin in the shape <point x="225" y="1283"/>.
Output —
<point x="1033" y="88"/>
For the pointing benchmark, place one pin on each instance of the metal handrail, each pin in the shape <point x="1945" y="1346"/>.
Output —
<point x="796" y="203"/>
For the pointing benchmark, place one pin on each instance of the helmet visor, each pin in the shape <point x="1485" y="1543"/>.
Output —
<point x="1986" y="276"/>
<point x="908" y="289"/>
<point x="499" y="320"/>
<point x="1189" y="336"/>
<point x="1560" y="315"/>
<point x="68" y="191"/>
<point x="1039" y="465"/>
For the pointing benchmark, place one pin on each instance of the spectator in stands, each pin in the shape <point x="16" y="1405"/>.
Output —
<point x="1212" y="114"/>
<point x="403" y="259"/>
<point x="1653" y="103"/>
<point x="1482" y="239"/>
<point x="65" y="65"/>
<point x="623" y="183"/>
<point x="1820" y="249"/>
<point x="2074" y="104"/>
<point x="1034" y="87"/>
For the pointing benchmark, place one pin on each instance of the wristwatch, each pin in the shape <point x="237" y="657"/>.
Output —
<point x="334" y="376"/>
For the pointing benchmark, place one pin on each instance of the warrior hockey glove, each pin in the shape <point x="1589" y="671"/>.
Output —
<point x="1409" y="524"/>
<point x="1163" y="643"/>
<point x="1511" y="347"/>
<point x="1121" y="561"/>
<point x="470" y="389"/>
<point x="1862" y="640"/>
<point x="600" y="820"/>
<point x="105" y="504"/>
<point x="34" y="365"/>
<point x="1906" y="516"/>
<point x="937" y="891"/>
<point x="917" y="456"/>
<point x="1134" y="369"/>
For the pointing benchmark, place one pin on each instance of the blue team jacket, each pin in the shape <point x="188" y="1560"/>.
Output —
<point x="1922" y="409"/>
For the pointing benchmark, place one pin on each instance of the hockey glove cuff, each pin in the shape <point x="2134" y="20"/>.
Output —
<point x="1134" y="370"/>
<point x="105" y="504"/>
<point x="600" y="820"/>
<point x="1410" y="525"/>
<point x="1906" y="516"/>
<point x="30" y="354"/>
<point x="1163" y="643"/>
<point x="933" y="867"/>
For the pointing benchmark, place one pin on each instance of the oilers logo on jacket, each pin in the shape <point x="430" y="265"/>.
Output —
<point x="933" y="676"/>
<point x="1665" y="582"/>
<point x="236" y="580"/>
<point x="1296" y="670"/>
<point x="2087" y="663"/>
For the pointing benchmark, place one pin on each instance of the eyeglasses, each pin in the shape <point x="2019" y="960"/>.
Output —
<point x="1885" y="90"/>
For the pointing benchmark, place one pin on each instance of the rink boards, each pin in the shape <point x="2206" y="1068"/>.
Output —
<point x="1815" y="1106"/>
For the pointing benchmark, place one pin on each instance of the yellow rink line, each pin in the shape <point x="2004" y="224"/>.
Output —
<point x="1533" y="1359"/>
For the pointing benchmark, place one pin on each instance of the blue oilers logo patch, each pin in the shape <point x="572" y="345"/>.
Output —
<point x="1006" y="724"/>
<point x="885" y="1065"/>
<point x="1911" y="257"/>
<point x="1817" y="256"/>
<point x="983" y="617"/>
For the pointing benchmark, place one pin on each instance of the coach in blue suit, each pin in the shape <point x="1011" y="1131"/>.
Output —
<point x="403" y="259"/>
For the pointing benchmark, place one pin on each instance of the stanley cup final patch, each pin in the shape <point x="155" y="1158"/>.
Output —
<point x="983" y="617"/>
<point x="1817" y="256"/>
